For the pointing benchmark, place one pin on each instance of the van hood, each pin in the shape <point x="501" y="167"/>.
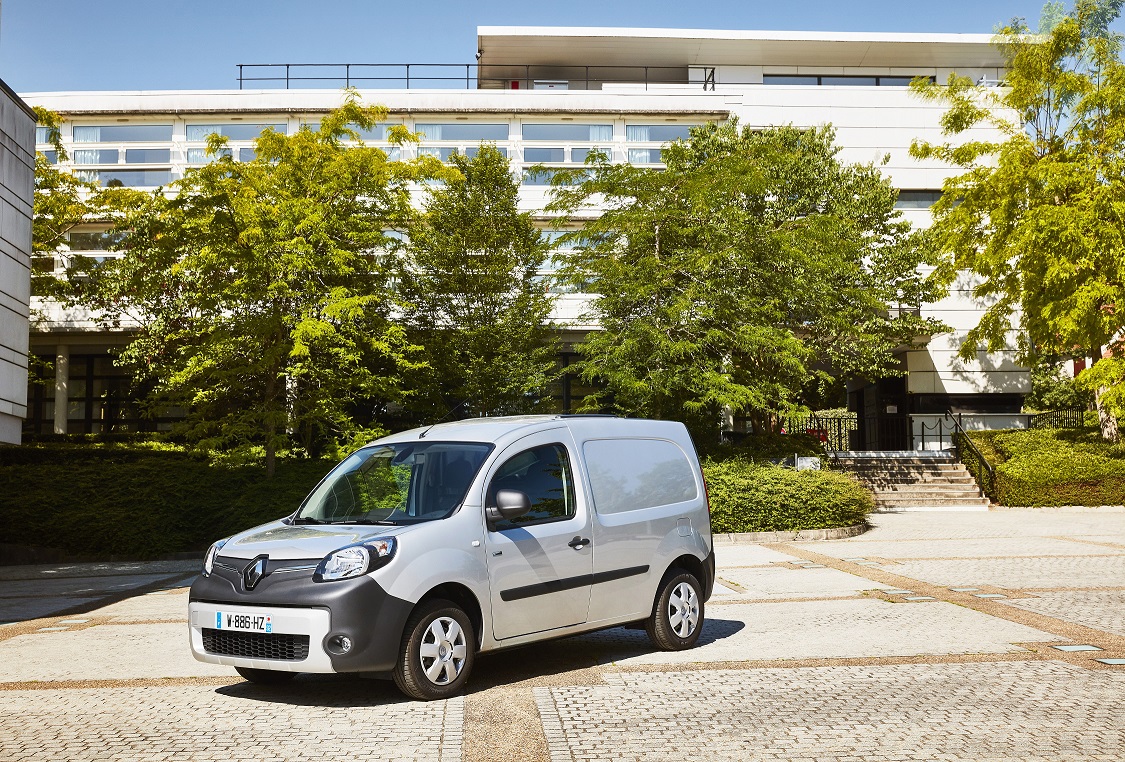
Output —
<point x="282" y="541"/>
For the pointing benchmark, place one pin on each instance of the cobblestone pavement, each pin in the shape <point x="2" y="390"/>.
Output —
<point x="1038" y="711"/>
<point x="338" y="719"/>
<point x="876" y="647"/>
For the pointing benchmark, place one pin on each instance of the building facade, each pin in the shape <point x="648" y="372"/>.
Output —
<point x="549" y="96"/>
<point x="17" y="172"/>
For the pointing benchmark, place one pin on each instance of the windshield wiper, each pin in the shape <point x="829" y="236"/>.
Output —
<point x="306" y="520"/>
<point x="368" y="521"/>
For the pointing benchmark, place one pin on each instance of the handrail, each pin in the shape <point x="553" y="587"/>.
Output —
<point x="526" y="75"/>
<point x="958" y="428"/>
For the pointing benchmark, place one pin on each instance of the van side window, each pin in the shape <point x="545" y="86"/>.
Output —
<point x="634" y="474"/>
<point x="545" y="476"/>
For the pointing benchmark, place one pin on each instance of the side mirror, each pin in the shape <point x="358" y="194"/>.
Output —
<point x="510" y="504"/>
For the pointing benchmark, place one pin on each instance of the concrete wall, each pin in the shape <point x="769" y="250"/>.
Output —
<point x="17" y="171"/>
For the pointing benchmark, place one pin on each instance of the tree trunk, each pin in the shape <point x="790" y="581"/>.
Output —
<point x="1106" y="419"/>
<point x="271" y="455"/>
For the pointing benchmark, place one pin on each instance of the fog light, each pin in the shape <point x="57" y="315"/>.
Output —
<point x="339" y="644"/>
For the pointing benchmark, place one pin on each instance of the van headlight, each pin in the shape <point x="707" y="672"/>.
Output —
<point x="209" y="558"/>
<point x="355" y="560"/>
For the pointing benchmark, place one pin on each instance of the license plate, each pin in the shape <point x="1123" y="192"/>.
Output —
<point x="225" y="620"/>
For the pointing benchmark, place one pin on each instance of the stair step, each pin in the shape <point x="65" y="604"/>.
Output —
<point x="928" y="500"/>
<point x="926" y="489"/>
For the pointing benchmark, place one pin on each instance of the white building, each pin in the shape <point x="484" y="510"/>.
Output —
<point x="17" y="171"/>
<point x="549" y="95"/>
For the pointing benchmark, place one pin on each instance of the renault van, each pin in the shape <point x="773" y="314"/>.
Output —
<point x="427" y="547"/>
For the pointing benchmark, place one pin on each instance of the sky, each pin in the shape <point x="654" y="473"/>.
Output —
<point x="49" y="45"/>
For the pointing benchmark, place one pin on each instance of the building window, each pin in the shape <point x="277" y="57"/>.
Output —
<point x="199" y="132"/>
<point x="565" y="137"/>
<point x="126" y="178"/>
<point x="123" y="133"/>
<point x="147" y="155"/>
<point x="475" y="133"/>
<point x="444" y="153"/>
<point x="571" y="133"/>
<point x="42" y="134"/>
<point x="652" y="134"/>
<point x="464" y="139"/>
<point x="838" y="81"/>
<point x="917" y="199"/>
<point x="95" y="240"/>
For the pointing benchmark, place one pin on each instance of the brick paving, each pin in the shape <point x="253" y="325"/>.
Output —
<point x="1101" y="609"/>
<point x="308" y="720"/>
<point x="999" y="711"/>
<point x="794" y="664"/>
<point x="1018" y="573"/>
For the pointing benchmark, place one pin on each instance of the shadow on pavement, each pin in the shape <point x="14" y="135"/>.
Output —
<point x="342" y="691"/>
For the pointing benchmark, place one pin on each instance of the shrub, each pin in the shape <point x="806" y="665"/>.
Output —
<point x="750" y="497"/>
<point x="766" y="446"/>
<point x="119" y="501"/>
<point x="1043" y="467"/>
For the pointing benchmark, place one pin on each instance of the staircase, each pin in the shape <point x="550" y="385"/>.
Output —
<point x="915" y="480"/>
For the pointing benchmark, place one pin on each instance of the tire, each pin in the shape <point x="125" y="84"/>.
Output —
<point x="677" y="615"/>
<point x="436" y="656"/>
<point x="265" y="676"/>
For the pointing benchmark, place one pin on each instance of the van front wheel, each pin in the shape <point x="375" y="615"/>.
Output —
<point x="677" y="616"/>
<point x="437" y="651"/>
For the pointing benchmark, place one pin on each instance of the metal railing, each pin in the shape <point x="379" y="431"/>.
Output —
<point x="833" y="432"/>
<point x="1074" y="418"/>
<point x="468" y="76"/>
<point x="974" y="459"/>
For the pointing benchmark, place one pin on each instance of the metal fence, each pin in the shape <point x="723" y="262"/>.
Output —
<point x="834" y="432"/>
<point x="1074" y="418"/>
<point x="467" y="76"/>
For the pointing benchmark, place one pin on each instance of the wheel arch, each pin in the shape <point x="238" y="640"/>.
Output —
<point x="463" y="597"/>
<point x="687" y="563"/>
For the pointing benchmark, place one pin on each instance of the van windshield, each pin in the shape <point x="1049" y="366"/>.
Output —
<point x="402" y="483"/>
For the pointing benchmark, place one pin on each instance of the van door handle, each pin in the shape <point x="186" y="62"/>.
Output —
<point x="578" y="543"/>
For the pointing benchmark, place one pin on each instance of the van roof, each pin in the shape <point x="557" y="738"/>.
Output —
<point x="496" y="429"/>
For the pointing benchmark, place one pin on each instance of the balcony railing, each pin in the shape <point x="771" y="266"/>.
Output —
<point x="468" y="76"/>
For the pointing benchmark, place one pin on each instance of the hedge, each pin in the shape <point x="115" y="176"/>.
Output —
<point x="128" y="500"/>
<point x="754" y="497"/>
<point x="1047" y="467"/>
<point x="134" y="503"/>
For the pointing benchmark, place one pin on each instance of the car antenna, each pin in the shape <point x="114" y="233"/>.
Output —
<point x="452" y="410"/>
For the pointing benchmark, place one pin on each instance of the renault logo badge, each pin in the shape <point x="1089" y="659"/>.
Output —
<point x="253" y="573"/>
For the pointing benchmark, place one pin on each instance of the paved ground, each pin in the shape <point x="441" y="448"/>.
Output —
<point x="878" y="647"/>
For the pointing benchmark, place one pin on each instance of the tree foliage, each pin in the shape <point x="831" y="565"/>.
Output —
<point x="755" y="262"/>
<point x="61" y="202"/>
<point x="471" y="296"/>
<point x="1037" y="214"/>
<point x="260" y="292"/>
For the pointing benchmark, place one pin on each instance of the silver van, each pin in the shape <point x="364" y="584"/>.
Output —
<point x="427" y="547"/>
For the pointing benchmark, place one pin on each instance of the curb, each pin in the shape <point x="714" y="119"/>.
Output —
<point x="803" y="535"/>
<point x="1061" y="508"/>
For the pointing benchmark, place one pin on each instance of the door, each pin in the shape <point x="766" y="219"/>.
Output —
<point x="540" y="564"/>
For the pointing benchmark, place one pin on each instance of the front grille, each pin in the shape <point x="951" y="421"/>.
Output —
<point x="254" y="645"/>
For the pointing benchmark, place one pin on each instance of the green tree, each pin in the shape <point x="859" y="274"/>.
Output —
<point x="260" y="292"/>
<point x="1052" y="389"/>
<point x="755" y="266"/>
<point x="471" y="295"/>
<point x="1036" y="215"/>
<point x="61" y="202"/>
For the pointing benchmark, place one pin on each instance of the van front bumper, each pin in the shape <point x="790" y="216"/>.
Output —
<point x="290" y="623"/>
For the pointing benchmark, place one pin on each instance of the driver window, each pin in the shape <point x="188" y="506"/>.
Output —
<point x="544" y="475"/>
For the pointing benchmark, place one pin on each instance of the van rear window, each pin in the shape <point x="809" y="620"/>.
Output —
<point x="634" y="474"/>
